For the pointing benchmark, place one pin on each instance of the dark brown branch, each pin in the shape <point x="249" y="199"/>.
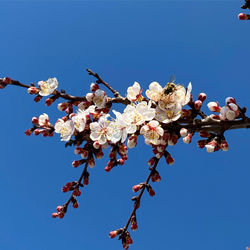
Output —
<point x="100" y="80"/>
<point x="138" y="198"/>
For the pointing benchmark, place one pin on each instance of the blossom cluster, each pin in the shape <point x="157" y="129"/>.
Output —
<point x="162" y="116"/>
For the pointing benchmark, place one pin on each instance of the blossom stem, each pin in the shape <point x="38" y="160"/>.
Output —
<point x="100" y="80"/>
<point x="138" y="198"/>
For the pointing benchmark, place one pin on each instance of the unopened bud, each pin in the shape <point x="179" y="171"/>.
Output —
<point x="202" y="97"/>
<point x="198" y="104"/>
<point x="183" y="132"/>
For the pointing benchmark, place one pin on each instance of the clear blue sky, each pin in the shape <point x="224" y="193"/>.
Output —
<point x="203" y="200"/>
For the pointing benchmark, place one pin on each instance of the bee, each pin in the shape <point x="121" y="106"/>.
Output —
<point x="170" y="86"/>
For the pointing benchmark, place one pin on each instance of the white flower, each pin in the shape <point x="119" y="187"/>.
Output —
<point x="47" y="87"/>
<point x="66" y="129"/>
<point x="152" y="132"/>
<point x="100" y="99"/>
<point x="137" y="115"/>
<point x="214" y="106"/>
<point x="172" y="112"/>
<point x="134" y="92"/>
<point x="43" y="119"/>
<point x="154" y="91"/>
<point x="80" y="120"/>
<point x="99" y="130"/>
<point x="120" y="128"/>
<point x="177" y="94"/>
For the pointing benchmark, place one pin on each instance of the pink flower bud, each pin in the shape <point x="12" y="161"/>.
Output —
<point x="202" y="97"/>
<point x="129" y="240"/>
<point x="75" y="205"/>
<point x="91" y="163"/>
<point x="151" y="162"/>
<point x="96" y="145"/>
<point x="188" y="138"/>
<point x="28" y="132"/>
<point x="78" y="151"/>
<point x="230" y="100"/>
<point x="198" y="104"/>
<point x="77" y="192"/>
<point x="7" y="80"/>
<point x="211" y="146"/>
<point x="183" y="132"/>
<point x="61" y="215"/>
<point x="33" y="90"/>
<point x="120" y="161"/>
<point x="54" y="215"/>
<point x="35" y="120"/>
<point x="125" y="157"/>
<point x="224" y="145"/>
<point x="134" y="225"/>
<point x="86" y="181"/>
<point x="136" y="188"/>
<point x="59" y="208"/>
<point x="107" y="168"/>
<point x="38" y="98"/>
<point x="169" y="159"/>
<point x="113" y="234"/>
<point x="89" y="97"/>
<point x="94" y="87"/>
<point x="84" y="153"/>
<point x="99" y="155"/>
<point x="62" y="106"/>
<point x="76" y="164"/>
<point x="242" y="16"/>
<point x="49" y="101"/>
<point x="37" y="132"/>
<point x="214" y="106"/>
<point x="151" y="191"/>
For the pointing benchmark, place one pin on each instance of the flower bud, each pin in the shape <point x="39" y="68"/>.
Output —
<point x="224" y="145"/>
<point x="134" y="225"/>
<point x="91" y="163"/>
<point x="76" y="164"/>
<point x="28" y="132"/>
<point x="77" y="192"/>
<point x="75" y="205"/>
<point x="137" y="187"/>
<point x="61" y="215"/>
<point x="169" y="159"/>
<point x="54" y="215"/>
<point x="62" y="106"/>
<point x="113" y="234"/>
<point x="107" y="168"/>
<point x="151" y="162"/>
<point x="214" y="106"/>
<point x="151" y="191"/>
<point x="202" y="97"/>
<point x="211" y="146"/>
<point x="89" y="97"/>
<point x="188" y="138"/>
<point x="35" y="120"/>
<point x="120" y="161"/>
<point x="59" y="208"/>
<point x="33" y="90"/>
<point x="96" y="145"/>
<point x="183" y="132"/>
<point x="198" y="104"/>
<point x="94" y="87"/>
<point x="38" y="98"/>
<point x="242" y="16"/>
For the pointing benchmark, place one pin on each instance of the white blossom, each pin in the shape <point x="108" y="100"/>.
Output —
<point x="100" y="131"/>
<point x="154" y="92"/>
<point x="134" y="92"/>
<point x="137" y="115"/>
<point x="100" y="99"/>
<point x="66" y="129"/>
<point x="152" y="132"/>
<point x="172" y="112"/>
<point x="120" y="128"/>
<point x="47" y="87"/>
<point x="80" y="120"/>
<point x="43" y="119"/>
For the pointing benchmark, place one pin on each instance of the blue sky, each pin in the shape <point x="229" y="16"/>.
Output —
<point x="202" y="201"/>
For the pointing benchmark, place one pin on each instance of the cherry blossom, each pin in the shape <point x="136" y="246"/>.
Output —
<point x="100" y="98"/>
<point x="152" y="132"/>
<point x="134" y="92"/>
<point x="47" y="87"/>
<point x="154" y="92"/>
<point x="66" y="129"/>
<point x="43" y="119"/>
